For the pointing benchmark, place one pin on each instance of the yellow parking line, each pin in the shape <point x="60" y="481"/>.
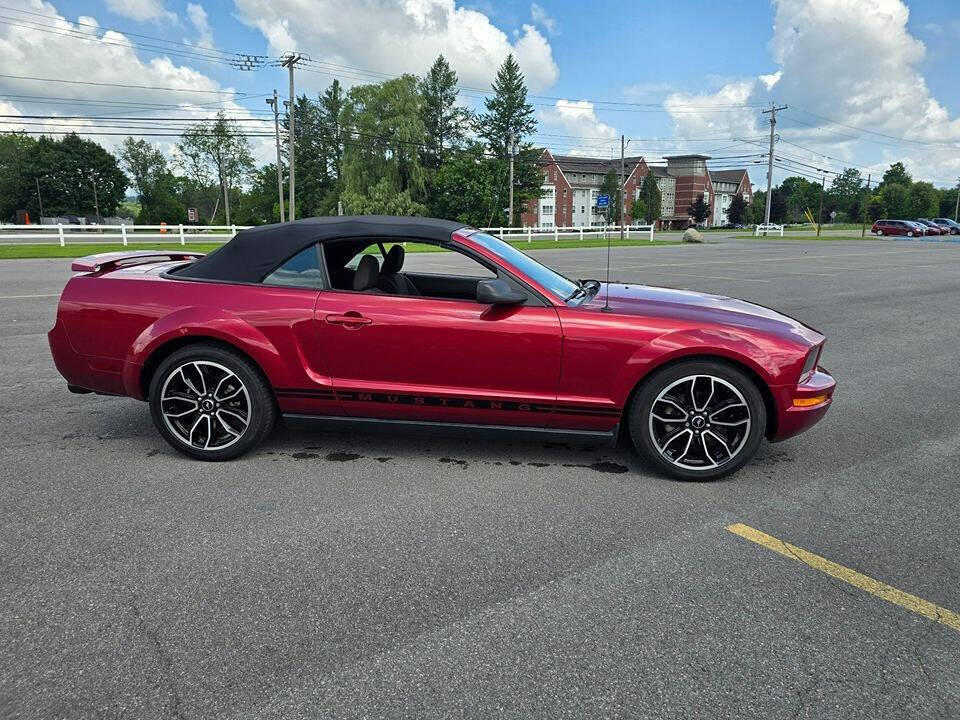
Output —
<point x="859" y="580"/>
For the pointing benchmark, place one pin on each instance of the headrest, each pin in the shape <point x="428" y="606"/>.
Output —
<point x="368" y="273"/>
<point x="394" y="261"/>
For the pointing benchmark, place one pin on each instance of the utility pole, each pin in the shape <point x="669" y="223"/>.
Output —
<point x="510" y="211"/>
<point x="39" y="200"/>
<point x="272" y="102"/>
<point x="290" y="61"/>
<point x="823" y="187"/>
<point x="866" y="206"/>
<point x="956" y="210"/>
<point x="96" y="202"/>
<point x="226" y="198"/>
<point x="622" y="199"/>
<point x="773" y="124"/>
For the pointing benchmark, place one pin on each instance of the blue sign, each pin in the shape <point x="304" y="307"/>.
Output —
<point x="603" y="201"/>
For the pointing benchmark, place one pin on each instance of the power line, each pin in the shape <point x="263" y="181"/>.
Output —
<point x="124" y="85"/>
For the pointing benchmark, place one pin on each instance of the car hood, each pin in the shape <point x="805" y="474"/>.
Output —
<point x="687" y="305"/>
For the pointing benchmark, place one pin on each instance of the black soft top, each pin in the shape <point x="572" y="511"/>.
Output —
<point x="253" y="254"/>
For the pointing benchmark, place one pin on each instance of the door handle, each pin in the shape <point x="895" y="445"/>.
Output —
<point x="349" y="319"/>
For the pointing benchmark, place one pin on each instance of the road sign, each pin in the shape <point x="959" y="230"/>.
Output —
<point x="833" y="214"/>
<point x="192" y="215"/>
<point x="603" y="201"/>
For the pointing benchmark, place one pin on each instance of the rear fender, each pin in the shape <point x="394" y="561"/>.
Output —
<point x="201" y="322"/>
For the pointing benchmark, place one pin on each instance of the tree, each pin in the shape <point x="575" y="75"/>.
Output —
<point x="758" y="206"/>
<point x="468" y="187"/>
<point x="153" y="182"/>
<point x="653" y="199"/>
<point x="800" y="195"/>
<point x="638" y="210"/>
<point x="331" y="108"/>
<point x="382" y="156"/>
<point x="895" y="199"/>
<point x="18" y="177"/>
<point x="259" y="204"/>
<point x="382" y="199"/>
<point x="896" y="174"/>
<point x="611" y="188"/>
<point x="216" y="152"/>
<point x="312" y="172"/>
<point x="846" y="192"/>
<point x="76" y="176"/>
<point x="737" y="210"/>
<point x="699" y="210"/>
<point x="445" y="123"/>
<point x="924" y="200"/>
<point x="508" y="112"/>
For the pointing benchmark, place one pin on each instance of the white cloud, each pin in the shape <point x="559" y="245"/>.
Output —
<point x="578" y="119"/>
<point x="542" y="17"/>
<point x="201" y="23"/>
<point x="398" y="37"/>
<point x="849" y="60"/>
<point x="103" y="57"/>
<point x="142" y="10"/>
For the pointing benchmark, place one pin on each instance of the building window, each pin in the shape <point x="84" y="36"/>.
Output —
<point x="548" y="209"/>
<point x="564" y="192"/>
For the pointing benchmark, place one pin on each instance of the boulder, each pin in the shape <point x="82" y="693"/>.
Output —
<point x="692" y="235"/>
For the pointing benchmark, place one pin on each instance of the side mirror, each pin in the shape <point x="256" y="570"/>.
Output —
<point x="498" y="292"/>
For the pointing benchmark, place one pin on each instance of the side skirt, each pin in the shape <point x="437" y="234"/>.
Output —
<point x="416" y="427"/>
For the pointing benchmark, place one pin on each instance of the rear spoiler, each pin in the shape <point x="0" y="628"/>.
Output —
<point x="104" y="262"/>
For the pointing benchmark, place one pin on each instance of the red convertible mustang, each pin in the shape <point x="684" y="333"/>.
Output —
<point x="319" y="320"/>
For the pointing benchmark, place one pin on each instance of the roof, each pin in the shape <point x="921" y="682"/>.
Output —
<point x="252" y="254"/>
<point x="580" y="164"/>
<point x="732" y="176"/>
<point x="686" y="157"/>
<point x="659" y="171"/>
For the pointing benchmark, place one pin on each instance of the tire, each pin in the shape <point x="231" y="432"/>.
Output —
<point x="879" y="233"/>
<point x="909" y="234"/>
<point x="211" y="403"/>
<point x="725" y="397"/>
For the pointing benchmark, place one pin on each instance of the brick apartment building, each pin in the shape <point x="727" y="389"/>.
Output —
<point x="571" y="184"/>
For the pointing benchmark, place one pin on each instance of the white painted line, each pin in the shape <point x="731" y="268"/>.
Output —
<point x="24" y="297"/>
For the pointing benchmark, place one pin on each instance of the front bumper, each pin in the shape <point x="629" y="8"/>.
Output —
<point x="800" y="407"/>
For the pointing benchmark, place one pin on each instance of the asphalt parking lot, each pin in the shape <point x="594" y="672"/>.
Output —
<point x="349" y="575"/>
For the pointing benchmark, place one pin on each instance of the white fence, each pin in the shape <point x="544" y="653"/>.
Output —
<point x="65" y="234"/>
<point x="768" y="228"/>
<point x="125" y="234"/>
<point x="567" y="232"/>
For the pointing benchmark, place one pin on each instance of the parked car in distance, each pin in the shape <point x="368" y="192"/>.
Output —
<point x="932" y="227"/>
<point x="951" y="226"/>
<point x="896" y="227"/>
<point x="322" y="321"/>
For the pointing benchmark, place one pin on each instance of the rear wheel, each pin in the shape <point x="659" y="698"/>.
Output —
<point x="211" y="403"/>
<point x="698" y="420"/>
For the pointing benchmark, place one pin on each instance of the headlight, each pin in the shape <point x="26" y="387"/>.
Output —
<point x="810" y="364"/>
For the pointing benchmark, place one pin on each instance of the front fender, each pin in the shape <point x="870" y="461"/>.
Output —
<point x="200" y="322"/>
<point x="767" y="359"/>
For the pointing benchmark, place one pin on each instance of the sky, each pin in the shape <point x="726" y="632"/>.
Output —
<point x="865" y="82"/>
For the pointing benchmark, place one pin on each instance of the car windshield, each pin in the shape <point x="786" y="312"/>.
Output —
<point x="551" y="280"/>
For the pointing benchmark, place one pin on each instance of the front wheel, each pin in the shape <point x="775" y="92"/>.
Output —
<point x="211" y="403"/>
<point x="909" y="234"/>
<point x="698" y="420"/>
<point x="879" y="233"/>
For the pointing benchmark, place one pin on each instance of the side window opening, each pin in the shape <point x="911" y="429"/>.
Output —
<point x="302" y="271"/>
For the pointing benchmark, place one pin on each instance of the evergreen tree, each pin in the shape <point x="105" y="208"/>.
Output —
<point x="737" y="211"/>
<point x="509" y="112"/>
<point x="699" y="210"/>
<point x="652" y="198"/>
<point x="445" y="123"/>
<point x="611" y="188"/>
<point x="331" y="108"/>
